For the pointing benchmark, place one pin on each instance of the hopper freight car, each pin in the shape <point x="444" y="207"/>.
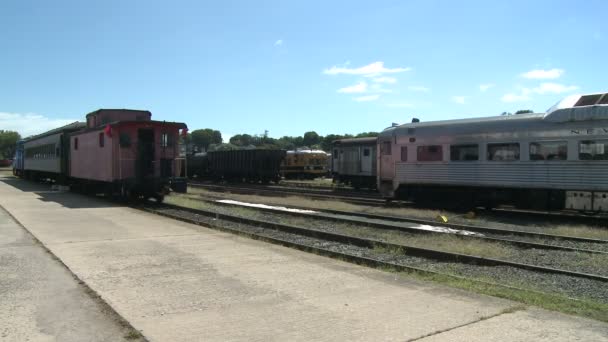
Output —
<point x="305" y="164"/>
<point x="238" y="165"/>
<point x="555" y="160"/>
<point x="118" y="151"/>
<point x="354" y="162"/>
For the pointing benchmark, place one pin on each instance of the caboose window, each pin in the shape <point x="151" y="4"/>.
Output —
<point x="549" y="150"/>
<point x="464" y="152"/>
<point x="101" y="139"/>
<point x="430" y="153"/>
<point x="366" y="152"/>
<point x="503" y="152"/>
<point x="75" y="143"/>
<point x="164" y="140"/>
<point x="593" y="150"/>
<point x="124" y="139"/>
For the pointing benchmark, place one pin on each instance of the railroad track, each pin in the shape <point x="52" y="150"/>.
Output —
<point x="409" y="225"/>
<point x="363" y="250"/>
<point x="374" y="199"/>
<point x="349" y="197"/>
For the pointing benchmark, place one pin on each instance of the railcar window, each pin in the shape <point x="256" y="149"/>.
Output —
<point x="503" y="152"/>
<point x="430" y="153"/>
<point x="164" y="140"/>
<point x="385" y="148"/>
<point x="101" y="139"/>
<point x="75" y="143"/>
<point x="366" y="152"/>
<point x="403" y="153"/>
<point x="124" y="139"/>
<point x="593" y="150"/>
<point x="464" y="152"/>
<point x="587" y="100"/>
<point x="549" y="150"/>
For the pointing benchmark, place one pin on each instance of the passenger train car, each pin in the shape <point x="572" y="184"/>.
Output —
<point x="117" y="151"/>
<point x="557" y="159"/>
<point x="354" y="162"/>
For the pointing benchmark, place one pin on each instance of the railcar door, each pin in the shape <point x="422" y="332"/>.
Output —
<point x="366" y="159"/>
<point x="387" y="165"/>
<point x="145" y="153"/>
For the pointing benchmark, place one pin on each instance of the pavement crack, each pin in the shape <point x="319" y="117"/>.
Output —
<point x="505" y="311"/>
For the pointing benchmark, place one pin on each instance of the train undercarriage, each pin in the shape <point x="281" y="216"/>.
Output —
<point x="536" y="199"/>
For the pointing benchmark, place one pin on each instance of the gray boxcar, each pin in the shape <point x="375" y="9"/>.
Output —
<point x="354" y="162"/>
<point x="557" y="159"/>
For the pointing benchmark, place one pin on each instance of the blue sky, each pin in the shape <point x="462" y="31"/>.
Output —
<point x="290" y="67"/>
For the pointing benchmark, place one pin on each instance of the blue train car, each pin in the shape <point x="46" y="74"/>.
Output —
<point x="18" y="159"/>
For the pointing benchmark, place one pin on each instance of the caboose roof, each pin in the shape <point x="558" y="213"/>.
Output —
<point x="104" y="110"/>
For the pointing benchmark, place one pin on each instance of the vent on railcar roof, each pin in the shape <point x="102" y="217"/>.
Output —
<point x="604" y="99"/>
<point x="588" y="100"/>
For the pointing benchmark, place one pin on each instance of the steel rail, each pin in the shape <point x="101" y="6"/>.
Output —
<point x="370" y="243"/>
<point x="320" y="214"/>
<point x="351" y="258"/>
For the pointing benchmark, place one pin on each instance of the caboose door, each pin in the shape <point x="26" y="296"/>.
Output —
<point x="145" y="153"/>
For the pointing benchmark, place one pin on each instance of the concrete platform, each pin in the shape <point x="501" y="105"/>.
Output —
<point x="179" y="282"/>
<point x="39" y="298"/>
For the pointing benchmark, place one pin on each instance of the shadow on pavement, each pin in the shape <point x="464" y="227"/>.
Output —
<point x="64" y="198"/>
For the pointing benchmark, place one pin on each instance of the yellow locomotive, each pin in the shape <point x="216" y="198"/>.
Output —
<point x="304" y="164"/>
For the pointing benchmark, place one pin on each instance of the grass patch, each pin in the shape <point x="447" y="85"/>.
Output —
<point x="585" y="308"/>
<point x="581" y="231"/>
<point x="133" y="335"/>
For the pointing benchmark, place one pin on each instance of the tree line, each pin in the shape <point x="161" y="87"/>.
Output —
<point x="8" y="143"/>
<point x="209" y="140"/>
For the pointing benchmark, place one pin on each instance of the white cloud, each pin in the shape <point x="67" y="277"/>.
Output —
<point x="543" y="74"/>
<point x="400" y="105"/>
<point x="370" y="70"/>
<point x="543" y="88"/>
<point x="484" y="87"/>
<point x="367" y="98"/>
<point x="418" y="88"/>
<point x="385" y="79"/>
<point x="29" y="123"/>
<point x="279" y="42"/>
<point x="360" y="87"/>
<point x="515" y="97"/>
<point x="553" y="88"/>
<point x="459" y="99"/>
<point x="377" y="88"/>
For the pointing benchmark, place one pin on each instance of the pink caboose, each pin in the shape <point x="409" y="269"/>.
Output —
<point x="125" y="152"/>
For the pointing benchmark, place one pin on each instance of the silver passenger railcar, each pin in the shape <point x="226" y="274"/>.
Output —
<point x="354" y="162"/>
<point x="557" y="159"/>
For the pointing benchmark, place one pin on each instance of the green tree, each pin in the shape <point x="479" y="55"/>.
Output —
<point x="311" y="138"/>
<point x="8" y="142"/>
<point x="202" y="138"/>
<point x="241" y="140"/>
